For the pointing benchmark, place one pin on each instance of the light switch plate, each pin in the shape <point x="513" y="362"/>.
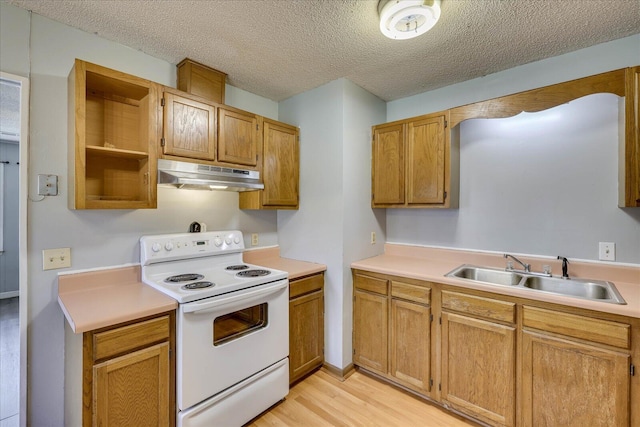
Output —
<point x="56" y="258"/>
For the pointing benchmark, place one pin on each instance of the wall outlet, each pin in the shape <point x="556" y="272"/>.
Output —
<point x="373" y="237"/>
<point x="607" y="251"/>
<point x="254" y="239"/>
<point x="56" y="258"/>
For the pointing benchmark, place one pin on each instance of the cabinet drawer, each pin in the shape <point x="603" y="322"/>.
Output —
<point x="484" y="307"/>
<point x="371" y="284"/>
<point x="420" y="294"/>
<point x="122" y="340"/>
<point x="582" y="327"/>
<point x="306" y="285"/>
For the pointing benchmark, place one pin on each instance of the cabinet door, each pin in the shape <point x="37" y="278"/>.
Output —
<point x="425" y="161"/>
<point x="630" y="189"/>
<point x="281" y="165"/>
<point x="370" y="314"/>
<point x="410" y="343"/>
<point x="306" y="334"/>
<point x="565" y="383"/>
<point x="478" y="368"/>
<point x="133" y="389"/>
<point x="189" y="128"/>
<point x="388" y="165"/>
<point x="237" y="137"/>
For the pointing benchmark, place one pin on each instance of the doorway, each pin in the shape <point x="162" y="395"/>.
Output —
<point x="14" y="95"/>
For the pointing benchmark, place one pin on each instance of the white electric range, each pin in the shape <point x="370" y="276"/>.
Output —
<point x="232" y="328"/>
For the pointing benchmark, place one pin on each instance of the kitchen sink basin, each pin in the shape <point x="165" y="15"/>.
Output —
<point x="487" y="275"/>
<point x="589" y="289"/>
<point x="593" y="290"/>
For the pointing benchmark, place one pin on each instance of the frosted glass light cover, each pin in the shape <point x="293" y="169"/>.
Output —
<point x="405" y="19"/>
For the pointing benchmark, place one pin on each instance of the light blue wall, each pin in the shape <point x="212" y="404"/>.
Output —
<point x="335" y="219"/>
<point x="569" y="208"/>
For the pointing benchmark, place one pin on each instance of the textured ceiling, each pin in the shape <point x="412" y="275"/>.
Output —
<point x="279" y="48"/>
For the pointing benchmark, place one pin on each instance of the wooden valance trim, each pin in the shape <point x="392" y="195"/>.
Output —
<point x="542" y="98"/>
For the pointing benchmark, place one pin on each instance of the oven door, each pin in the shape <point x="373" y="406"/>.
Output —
<point x="226" y="339"/>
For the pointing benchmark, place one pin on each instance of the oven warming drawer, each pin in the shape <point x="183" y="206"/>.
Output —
<point x="242" y="402"/>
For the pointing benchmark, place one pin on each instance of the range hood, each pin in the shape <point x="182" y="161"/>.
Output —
<point x="176" y="174"/>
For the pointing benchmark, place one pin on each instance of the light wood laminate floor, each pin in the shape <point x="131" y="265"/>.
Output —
<point x="322" y="400"/>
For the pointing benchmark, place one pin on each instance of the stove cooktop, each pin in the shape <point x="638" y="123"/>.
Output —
<point x="206" y="283"/>
<point x="194" y="266"/>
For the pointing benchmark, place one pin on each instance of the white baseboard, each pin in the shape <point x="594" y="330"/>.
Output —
<point x="9" y="294"/>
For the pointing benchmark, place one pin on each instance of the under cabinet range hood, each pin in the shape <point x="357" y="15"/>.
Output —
<point x="177" y="174"/>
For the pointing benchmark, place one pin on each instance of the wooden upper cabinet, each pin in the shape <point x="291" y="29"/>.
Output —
<point x="238" y="136"/>
<point x="281" y="165"/>
<point x="189" y="128"/>
<point x="280" y="169"/>
<point x="412" y="163"/>
<point x="425" y="160"/>
<point x="629" y="181"/>
<point x="198" y="79"/>
<point x="113" y="129"/>
<point x="388" y="177"/>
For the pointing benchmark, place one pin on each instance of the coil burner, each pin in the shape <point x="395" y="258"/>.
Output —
<point x="179" y="278"/>
<point x="197" y="285"/>
<point x="253" y="273"/>
<point x="237" y="267"/>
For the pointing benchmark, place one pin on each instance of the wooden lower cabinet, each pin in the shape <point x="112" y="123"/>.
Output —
<point x="129" y="374"/>
<point x="133" y="389"/>
<point x="575" y="369"/>
<point x="410" y="344"/>
<point x="391" y="327"/>
<point x="566" y="383"/>
<point x="370" y="319"/>
<point x="478" y="368"/>
<point x="306" y="326"/>
<point x="499" y="360"/>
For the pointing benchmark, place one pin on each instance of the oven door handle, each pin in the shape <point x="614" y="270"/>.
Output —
<point x="208" y="305"/>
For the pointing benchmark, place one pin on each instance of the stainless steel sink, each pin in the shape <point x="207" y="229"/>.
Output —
<point x="589" y="289"/>
<point x="487" y="275"/>
<point x="593" y="290"/>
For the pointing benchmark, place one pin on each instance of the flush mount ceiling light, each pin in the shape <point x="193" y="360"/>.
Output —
<point x="405" y="19"/>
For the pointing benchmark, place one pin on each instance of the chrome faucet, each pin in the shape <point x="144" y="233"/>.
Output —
<point x="526" y="267"/>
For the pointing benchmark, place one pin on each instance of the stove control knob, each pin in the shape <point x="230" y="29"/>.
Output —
<point x="236" y="240"/>
<point x="217" y="241"/>
<point x="156" y="247"/>
<point x="168" y="246"/>
<point x="227" y="240"/>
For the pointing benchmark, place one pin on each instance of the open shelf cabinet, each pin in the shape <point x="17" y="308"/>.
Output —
<point x="113" y="129"/>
